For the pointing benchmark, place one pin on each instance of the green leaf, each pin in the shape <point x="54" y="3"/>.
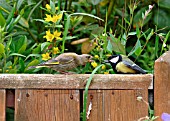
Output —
<point x="138" y="32"/>
<point x="8" y="44"/>
<point x="127" y="21"/>
<point x="11" y="15"/>
<point x="65" y="31"/>
<point x="2" y="48"/>
<point x="70" y="37"/>
<point x="24" y="22"/>
<point x="94" y="2"/>
<point x="19" y="3"/>
<point x="156" y="46"/>
<point x="123" y="39"/>
<point x="32" y="63"/>
<point x="33" y="9"/>
<point x="137" y="49"/>
<point x="52" y="5"/>
<point x="86" y="91"/>
<point x="150" y="35"/>
<point x="165" y="40"/>
<point x="161" y="18"/>
<point x="21" y="44"/>
<point x="22" y="49"/>
<point x="117" y="46"/>
<point x="139" y="16"/>
<point x="22" y="64"/>
<point x="32" y="55"/>
<point x="132" y="33"/>
<point x="17" y="54"/>
<point x="2" y="20"/>
<point x="37" y="49"/>
<point x="44" y="45"/>
<point x="109" y="46"/>
<point x="164" y="4"/>
<point x="86" y="14"/>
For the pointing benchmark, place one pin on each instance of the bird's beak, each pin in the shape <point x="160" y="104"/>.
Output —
<point x="90" y="59"/>
<point x="105" y="61"/>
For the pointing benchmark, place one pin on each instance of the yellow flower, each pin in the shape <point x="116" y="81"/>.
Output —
<point x="48" y="18"/>
<point x="56" y="8"/>
<point x="94" y="64"/>
<point x="55" y="18"/>
<point x="103" y="67"/>
<point x="48" y="7"/>
<point x="106" y="72"/>
<point x="10" y="67"/>
<point x="98" y="48"/>
<point x="56" y="50"/>
<point x="49" y="36"/>
<point x="57" y="35"/>
<point x="45" y="56"/>
<point x="6" y="70"/>
<point x="96" y="56"/>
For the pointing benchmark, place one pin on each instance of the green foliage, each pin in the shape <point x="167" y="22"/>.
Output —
<point x="130" y="28"/>
<point x="138" y="29"/>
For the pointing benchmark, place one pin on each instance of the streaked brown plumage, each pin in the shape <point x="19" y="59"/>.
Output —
<point x="65" y="62"/>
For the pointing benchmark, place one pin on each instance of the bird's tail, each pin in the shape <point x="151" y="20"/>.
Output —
<point x="38" y="66"/>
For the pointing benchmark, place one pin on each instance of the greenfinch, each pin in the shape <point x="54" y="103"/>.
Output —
<point x="65" y="62"/>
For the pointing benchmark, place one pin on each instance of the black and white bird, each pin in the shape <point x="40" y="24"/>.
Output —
<point x="122" y="64"/>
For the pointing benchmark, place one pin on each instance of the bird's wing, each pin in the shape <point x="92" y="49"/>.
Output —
<point x="133" y="66"/>
<point x="49" y="62"/>
<point x="65" y="59"/>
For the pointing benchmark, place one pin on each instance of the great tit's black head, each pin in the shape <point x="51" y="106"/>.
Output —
<point x="114" y="59"/>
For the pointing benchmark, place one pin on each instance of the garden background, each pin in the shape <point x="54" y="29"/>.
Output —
<point x="34" y="31"/>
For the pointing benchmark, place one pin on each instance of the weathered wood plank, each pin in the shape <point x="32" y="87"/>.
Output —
<point x="74" y="81"/>
<point x="117" y="105"/>
<point x="162" y="85"/>
<point x="2" y="105"/>
<point x="47" y="105"/>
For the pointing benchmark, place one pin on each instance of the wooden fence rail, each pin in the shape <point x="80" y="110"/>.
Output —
<point x="47" y="97"/>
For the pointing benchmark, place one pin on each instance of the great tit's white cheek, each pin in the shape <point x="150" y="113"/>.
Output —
<point x="114" y="60"/>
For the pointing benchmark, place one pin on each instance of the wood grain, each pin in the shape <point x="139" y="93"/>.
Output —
<point x="2" y="105"/>
<point x="117" y="105"/>
<point x="74" y="81"/>
<point x="47" y="105"/>
<point x="162" y="85"/>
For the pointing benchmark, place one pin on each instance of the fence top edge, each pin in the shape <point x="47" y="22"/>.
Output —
<point x="75" y="81"/>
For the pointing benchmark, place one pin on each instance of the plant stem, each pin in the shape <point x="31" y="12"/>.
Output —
<point x="31" y="34"/>
<point x="86" y="91"/>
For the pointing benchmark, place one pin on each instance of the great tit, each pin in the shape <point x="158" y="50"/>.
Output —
<point x="122" y="64"/>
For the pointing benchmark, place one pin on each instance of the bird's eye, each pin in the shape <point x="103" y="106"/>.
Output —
<point x="88" y="57"/>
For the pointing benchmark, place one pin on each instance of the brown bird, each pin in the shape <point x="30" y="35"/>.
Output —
<point x="65" y="62"/>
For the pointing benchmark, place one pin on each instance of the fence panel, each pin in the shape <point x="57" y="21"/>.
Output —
<point x="117" y="105"/>
<point x="47" y="105"/>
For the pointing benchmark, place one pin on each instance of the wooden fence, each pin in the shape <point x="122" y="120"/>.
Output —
<point x="47" y="97"/>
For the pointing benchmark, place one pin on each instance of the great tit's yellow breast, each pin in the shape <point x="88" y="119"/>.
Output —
<point x="120" y="67"/>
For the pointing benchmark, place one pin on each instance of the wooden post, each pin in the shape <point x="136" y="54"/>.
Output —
<point x="162" y="85"/>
